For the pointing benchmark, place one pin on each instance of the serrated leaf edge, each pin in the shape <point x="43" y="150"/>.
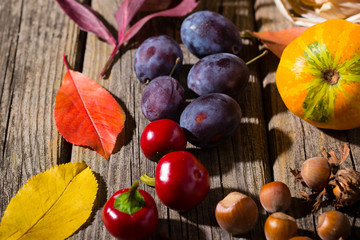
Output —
<point x="18" y="194"/>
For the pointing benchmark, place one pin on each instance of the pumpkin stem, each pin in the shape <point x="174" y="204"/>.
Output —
<point x="331" y="76"/>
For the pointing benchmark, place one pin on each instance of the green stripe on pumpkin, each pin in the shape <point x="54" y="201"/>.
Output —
<point x="319" y="104"/>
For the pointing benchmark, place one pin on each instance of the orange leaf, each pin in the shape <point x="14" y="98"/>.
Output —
<point x="277" y="41"/>
<point x="86" y="114"/>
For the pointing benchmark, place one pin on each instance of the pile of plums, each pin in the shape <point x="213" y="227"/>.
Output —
<point x="216" y="78"/>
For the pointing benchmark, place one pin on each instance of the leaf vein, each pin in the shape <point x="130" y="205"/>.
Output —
<point x="85" y="107"/>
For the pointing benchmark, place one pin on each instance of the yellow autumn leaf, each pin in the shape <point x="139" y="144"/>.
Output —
<point x="51" y="205"/>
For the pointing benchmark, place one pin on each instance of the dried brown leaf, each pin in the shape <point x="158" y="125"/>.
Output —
<point x="277" y="41"/>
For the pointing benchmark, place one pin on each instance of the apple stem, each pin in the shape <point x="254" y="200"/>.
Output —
<point x="257" y="57"/>
<point x="130" y="201"/>
<point x="133" y="189"/>
<point x="173" y="68"/>
<point x="148" y="180"/>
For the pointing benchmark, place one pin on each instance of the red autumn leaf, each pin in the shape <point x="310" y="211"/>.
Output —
<point x="183" y="8"/>
<point x="125" y="14"/>
<point x="277" y="41"/>
<point x="86" y="18"/>
<point x="86" y="114"/>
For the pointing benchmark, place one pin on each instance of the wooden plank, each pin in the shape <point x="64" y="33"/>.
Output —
<point x="127" y="165"/>
<point x="110" y="174"/>
<point x="292" y="140"/>
<point x="286" y="138"/>
<point x="33" y="37"/>
<point x="227" y="162"/>
<point x="10" y="17"/>
<point x="285" y="131"/>
<point x="354" y="162"/>
<point x="244" y="163"/>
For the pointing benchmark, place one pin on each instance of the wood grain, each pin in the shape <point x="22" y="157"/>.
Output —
<point x="10" y="12"/>
<point x="269" y="141"/>
<point x="286" y="136"/>
<point x="33" y="36"/>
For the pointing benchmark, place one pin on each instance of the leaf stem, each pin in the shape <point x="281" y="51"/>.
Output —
<point x="247" y="35"/>
<point x="148" y="180"/>
<point x="109" y="61"/>
<point x="65" y="62"/>
<point x="257" y="57"/>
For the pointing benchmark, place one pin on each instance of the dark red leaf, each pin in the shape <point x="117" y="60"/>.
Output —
<point x="86" y="114"/>
<point x="87" y="19"/>
<point x="277" y="41"/>
<point x="125" y="13"/>
<point x="183" y="8"/>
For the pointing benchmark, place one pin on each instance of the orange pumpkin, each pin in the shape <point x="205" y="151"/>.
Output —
<point x="318" y="76"/>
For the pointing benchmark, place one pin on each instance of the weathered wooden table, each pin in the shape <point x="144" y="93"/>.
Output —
<point x="269" y="141"/>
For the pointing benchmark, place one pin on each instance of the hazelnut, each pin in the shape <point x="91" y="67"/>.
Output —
<point x="333" y="225"/>
<point x="275" y="197"/>
<point x="316" y="173"/>
<point x="237" y="213"/>
<point x="279" y="226"/>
